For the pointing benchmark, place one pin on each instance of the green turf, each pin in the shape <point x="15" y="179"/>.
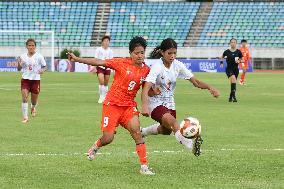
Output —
<point x="240" y="149"/>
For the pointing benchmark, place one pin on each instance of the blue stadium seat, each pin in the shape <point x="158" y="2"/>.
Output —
<point x="63" y="18"/>
<point x="255" y="21"/>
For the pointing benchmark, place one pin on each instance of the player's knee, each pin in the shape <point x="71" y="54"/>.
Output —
<point x="25" y="99"/>
<point x="106" y="140"/>
<point x="166" y="131"/>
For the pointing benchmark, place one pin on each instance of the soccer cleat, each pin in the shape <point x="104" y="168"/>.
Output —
<point x="91" y="153"/>
<point x="145" y="170"/>
<point x="230" y="99"/>
<point x="196" y="145"/>
<point x="142" y="133"/>
<point x="33" y="112"/>
<point x="101" y="99"/>
<point x="25" y="120"/>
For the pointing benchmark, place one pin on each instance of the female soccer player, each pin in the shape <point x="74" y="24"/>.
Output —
<point x="119" y="106"/>
<point x="246" y="56"/>
<point x="233" y="57"/>
<point x="32" y="65"/>
<point x="103" y="73"/>
<point x="164" y="73"/>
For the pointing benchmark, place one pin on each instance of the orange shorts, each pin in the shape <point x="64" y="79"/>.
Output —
<point x="244" y="65"/>
<point x="113" y="115"/>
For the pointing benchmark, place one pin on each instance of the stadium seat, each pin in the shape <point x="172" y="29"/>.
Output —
<point x="141" y="18"/>
<point x="239" y="20"/>
<point x="63" y="19"/>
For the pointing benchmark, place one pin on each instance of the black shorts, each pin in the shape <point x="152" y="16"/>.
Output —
<point x="232" y="71"/>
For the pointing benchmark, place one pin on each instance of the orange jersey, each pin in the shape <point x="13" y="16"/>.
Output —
<point x="245" y="53"/>
<point x="127" y="81"/>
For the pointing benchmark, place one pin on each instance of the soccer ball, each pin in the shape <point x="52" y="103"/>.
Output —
<point x="190" y="128"/>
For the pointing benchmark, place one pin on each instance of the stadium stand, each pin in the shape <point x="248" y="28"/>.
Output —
<point x="82" y="24"/>
<point x="155" y="21"/>
<point x="72" y="21"/>
<point x="261" y="23"/>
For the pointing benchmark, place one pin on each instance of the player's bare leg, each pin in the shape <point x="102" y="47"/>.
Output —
<point x="25" y="105"/>
<point x="106" y="139"/>
<point x="243" y="75"/>
<point x="170" y="122"/>
<point x="134" y="129"/>
<point x="106" y="80"/>
<point x="34" y="98"/>
<point x="101" y="87"/>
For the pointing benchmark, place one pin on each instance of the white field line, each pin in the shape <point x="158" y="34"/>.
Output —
<point x="150" y="152"/>
<point x="5" y="89"/>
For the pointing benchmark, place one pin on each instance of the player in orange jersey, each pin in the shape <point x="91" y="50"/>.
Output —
<point x="119" y="107"/>
<point x="246" y="57"/>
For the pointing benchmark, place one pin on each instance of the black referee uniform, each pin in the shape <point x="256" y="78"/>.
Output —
<point x="231" y="58"/>
<point x="232" y="69"/>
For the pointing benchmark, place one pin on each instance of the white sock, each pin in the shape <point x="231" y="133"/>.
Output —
<point x="188" y="143"/>
<point x="25" y="107"/>
<point x="101" y="90"/>
<point x="150" y="130"/>
<point x="105" y="90"/>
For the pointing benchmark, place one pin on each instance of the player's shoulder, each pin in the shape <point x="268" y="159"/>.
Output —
<point x="178" y="63"/>
<point x="146" y="67"/>
<point x="109" y="50"/>
<point x="226" y="51"/>
<point x="23" y="55"/>
<point x="239" y="51"/>
<point x="38" y="54"/>
<point x="122" y="62"/>
<point x="157" y="64"/>
<point x="99" y="49"/>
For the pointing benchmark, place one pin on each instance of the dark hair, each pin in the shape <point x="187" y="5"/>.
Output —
<point x="106" y="37"/>
<point x="233" y="39"/>
<point x="30" y="40"/>
<point x="136" y="42"/>
<point x="165" y="45"/>
<point x="243" y="41"/>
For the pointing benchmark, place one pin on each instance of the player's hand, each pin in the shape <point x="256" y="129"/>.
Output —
<point x="41" y="71"/>
<point x="214" y="92"/>
<point x="20" y="62"/>
<point x="145" y="111"/>
<point x="155" y="90"/>
<point x="72" y="57"/>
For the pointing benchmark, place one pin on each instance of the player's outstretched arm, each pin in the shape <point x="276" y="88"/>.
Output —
<point x="202" y="85"/>
<point x="43" y="69"/>
<point x="20" y="63"/>
<point x="155" y="90"/>
<point x="145" y="101"/>
<point x="89" y="61"/>
<point x="222" y="61"/>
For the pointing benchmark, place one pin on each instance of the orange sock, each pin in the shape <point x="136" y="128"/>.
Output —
<point x="141" y="151"/>
<point x="243" y="77"/>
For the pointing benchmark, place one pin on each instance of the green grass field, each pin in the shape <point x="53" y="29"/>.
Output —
<point x="244" y="141"/>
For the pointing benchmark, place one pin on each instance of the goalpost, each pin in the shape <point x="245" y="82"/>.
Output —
<point x="12" y="43"/>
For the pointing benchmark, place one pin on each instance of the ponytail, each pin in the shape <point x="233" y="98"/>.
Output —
<point x="156" y="53"/>
<point x="165" y="45"/>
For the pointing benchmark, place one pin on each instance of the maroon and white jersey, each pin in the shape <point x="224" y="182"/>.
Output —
<point x="103" y="54"/>
<point x="32" y="65"/>
<point x="166" y="79"/>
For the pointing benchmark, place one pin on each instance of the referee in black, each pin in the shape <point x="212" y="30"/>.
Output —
<point x="233" y="57"/>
